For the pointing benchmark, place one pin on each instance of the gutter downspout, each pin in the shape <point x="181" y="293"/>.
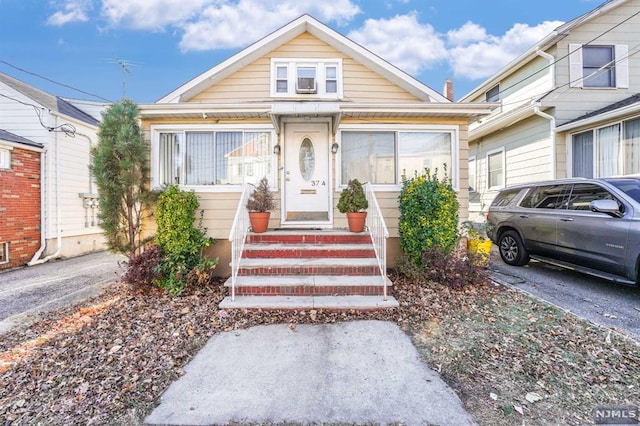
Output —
<point x="57" y="197"/>
<point x="43" y="208"/>
<point x="552" y="65"/>
<point x="552" y="137"/>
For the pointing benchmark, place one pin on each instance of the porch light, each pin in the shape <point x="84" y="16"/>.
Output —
<point x="334" y="147"/>
<point x="276" y="149"/>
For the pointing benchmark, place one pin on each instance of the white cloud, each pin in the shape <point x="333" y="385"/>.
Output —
<point x="233" y="24"/>
<point x="150" y="14"/>
<point x="474" y="57"/>
<point x="402" y="41"/>
<point x="468" y="33"/>
<point x="72" y="11"/>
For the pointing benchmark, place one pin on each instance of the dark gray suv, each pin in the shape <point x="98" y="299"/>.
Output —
<point x="589" y="225"/>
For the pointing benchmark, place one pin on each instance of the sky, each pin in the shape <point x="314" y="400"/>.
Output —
<point x="155" y="46"/>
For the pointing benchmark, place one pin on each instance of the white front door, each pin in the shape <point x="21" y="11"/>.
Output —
<point x="306" y="173"/>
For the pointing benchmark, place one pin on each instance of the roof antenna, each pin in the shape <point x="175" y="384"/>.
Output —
<point x="126" y="69"/>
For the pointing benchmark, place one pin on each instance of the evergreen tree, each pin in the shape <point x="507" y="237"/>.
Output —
<point x="120" y="166"/>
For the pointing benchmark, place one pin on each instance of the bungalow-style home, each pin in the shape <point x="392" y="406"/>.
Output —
<point x="309" y="109"/>
<point x="19" y="199"/>
<point x="567" y="107"/>
<point x="62" y="134"/>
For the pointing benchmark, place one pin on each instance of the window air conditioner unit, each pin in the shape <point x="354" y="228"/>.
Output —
<point x="306" y="85"/>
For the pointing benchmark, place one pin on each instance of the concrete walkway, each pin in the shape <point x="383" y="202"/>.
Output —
<point x="353" y="372"/>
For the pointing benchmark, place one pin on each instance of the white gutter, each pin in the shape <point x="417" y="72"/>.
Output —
<point x="43" y="210"/>
<point x="552" y="66"/>
<point x="552" y="136"/>
<point x="57" y="197"/>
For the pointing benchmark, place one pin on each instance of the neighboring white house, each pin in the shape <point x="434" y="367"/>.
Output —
<point x="545" y="127"/>
<point x="309" y="109"/>
<point x="69" y="199"/>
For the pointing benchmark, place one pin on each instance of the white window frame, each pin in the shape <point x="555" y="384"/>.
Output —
<point x="5" y="157"/>
<point x="320" y="65"/>
<point x="4" y="251"/>
<point x="493" y="98"/>
<point x="621" y="67"/>
<point x="471" y="163"/>
<point x="453" y="171"/>
<point x="502" y="151"/>
<point x="157" y="129"/>
<point x="596" y="146"/>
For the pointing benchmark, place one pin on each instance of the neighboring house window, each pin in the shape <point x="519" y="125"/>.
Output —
<point x="495" y="169"/>
<point x="547" y="197"/>
<point x="5" y="158"/>
<point x="607" y="151"/>
<point x="598" y="66"/>
<point x="229" y="157"/>
<point x="472" y="174"/>
<point x="320" y="78"/>
<point x="382" y="157"/>
<point x="493" y="95"/>
<point x="4" y="253"/>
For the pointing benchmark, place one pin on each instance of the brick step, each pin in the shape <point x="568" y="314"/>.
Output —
<point x="331" y="303"/>
<point x="267" y="250"/>
<point x="309" y="237"/>
<point x="309" y="266"/>
<point x="329" y="285"/>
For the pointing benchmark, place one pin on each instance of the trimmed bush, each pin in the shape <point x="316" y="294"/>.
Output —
<point x="428" y="216"/>
<point x="143" y="270"/>
<point x="180" y="241"/>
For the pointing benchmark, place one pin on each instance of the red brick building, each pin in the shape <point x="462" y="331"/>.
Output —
<point x="20" y="199"/>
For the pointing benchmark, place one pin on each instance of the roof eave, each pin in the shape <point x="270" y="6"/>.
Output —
<point x="601" y="118"/>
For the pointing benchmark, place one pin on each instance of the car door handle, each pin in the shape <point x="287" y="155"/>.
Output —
<point x="566" y="219"/>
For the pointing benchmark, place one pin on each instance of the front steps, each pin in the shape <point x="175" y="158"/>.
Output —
<point x="330" y="269"/>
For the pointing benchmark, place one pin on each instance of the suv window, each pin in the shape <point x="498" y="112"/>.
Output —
<point x="505" y="197"/>
<point x="546" y="197"/>
<point x="584" y="193"/>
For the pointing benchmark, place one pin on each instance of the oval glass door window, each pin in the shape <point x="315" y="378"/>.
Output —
<point x="307" y="159"/>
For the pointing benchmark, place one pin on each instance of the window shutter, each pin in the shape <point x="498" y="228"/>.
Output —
<point x="575" y="65"/>
<point x="622" y="66"/>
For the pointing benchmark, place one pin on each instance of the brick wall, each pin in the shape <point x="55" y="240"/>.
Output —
<point x="20" y="207"/>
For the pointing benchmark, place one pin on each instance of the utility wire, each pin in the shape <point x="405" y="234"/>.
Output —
<point x="55" y="82"/>
<point x="568" y="54"/>
<point x="66" y="128"/>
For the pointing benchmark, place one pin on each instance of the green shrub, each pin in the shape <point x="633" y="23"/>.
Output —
<point x="180" y="241"/>
<point x="428" y="216"/>
<point x="352" y="198"/>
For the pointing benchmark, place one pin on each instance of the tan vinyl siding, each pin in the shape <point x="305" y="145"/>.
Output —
<point x="252" y="83"/>
<point x="528" y="155"/>
<point x="574" y="102"/>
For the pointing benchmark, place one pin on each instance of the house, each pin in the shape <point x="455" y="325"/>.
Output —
<point x="568" y="107"/>
<point x="63" y="134"/>
<point x="19" y="199"/>
<point x="309" y="109"/>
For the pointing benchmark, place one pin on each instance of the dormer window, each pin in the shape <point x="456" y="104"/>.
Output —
<point x="306" y="78"/>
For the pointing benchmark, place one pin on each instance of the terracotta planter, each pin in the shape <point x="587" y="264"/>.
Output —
<point x="259" y="221"/>
<point x="356" y="221"/>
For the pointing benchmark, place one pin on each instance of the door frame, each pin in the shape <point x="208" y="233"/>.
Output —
<point x="331" y="163"/>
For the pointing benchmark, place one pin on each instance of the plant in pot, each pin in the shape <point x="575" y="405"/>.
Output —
<point x="354" y="203"/>
<point x="478" y="244"/>
<point x="260" y="204"/>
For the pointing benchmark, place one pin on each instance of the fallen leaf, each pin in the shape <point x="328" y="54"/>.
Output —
<point x="493" y="396"/>
<point x="533" y="397"/>
<point x="185" y="310"/>
<point x="115" y="348"/>
<point x="608" y="338"/>
<point x="518" y="409"/>
<point x="292" y="326"/>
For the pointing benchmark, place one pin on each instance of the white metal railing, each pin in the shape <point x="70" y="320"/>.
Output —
<point x="238" y="236"/>
<point x="379" y="233"/>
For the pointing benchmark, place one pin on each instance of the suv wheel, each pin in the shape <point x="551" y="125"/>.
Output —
<point x="512" y="250"/>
